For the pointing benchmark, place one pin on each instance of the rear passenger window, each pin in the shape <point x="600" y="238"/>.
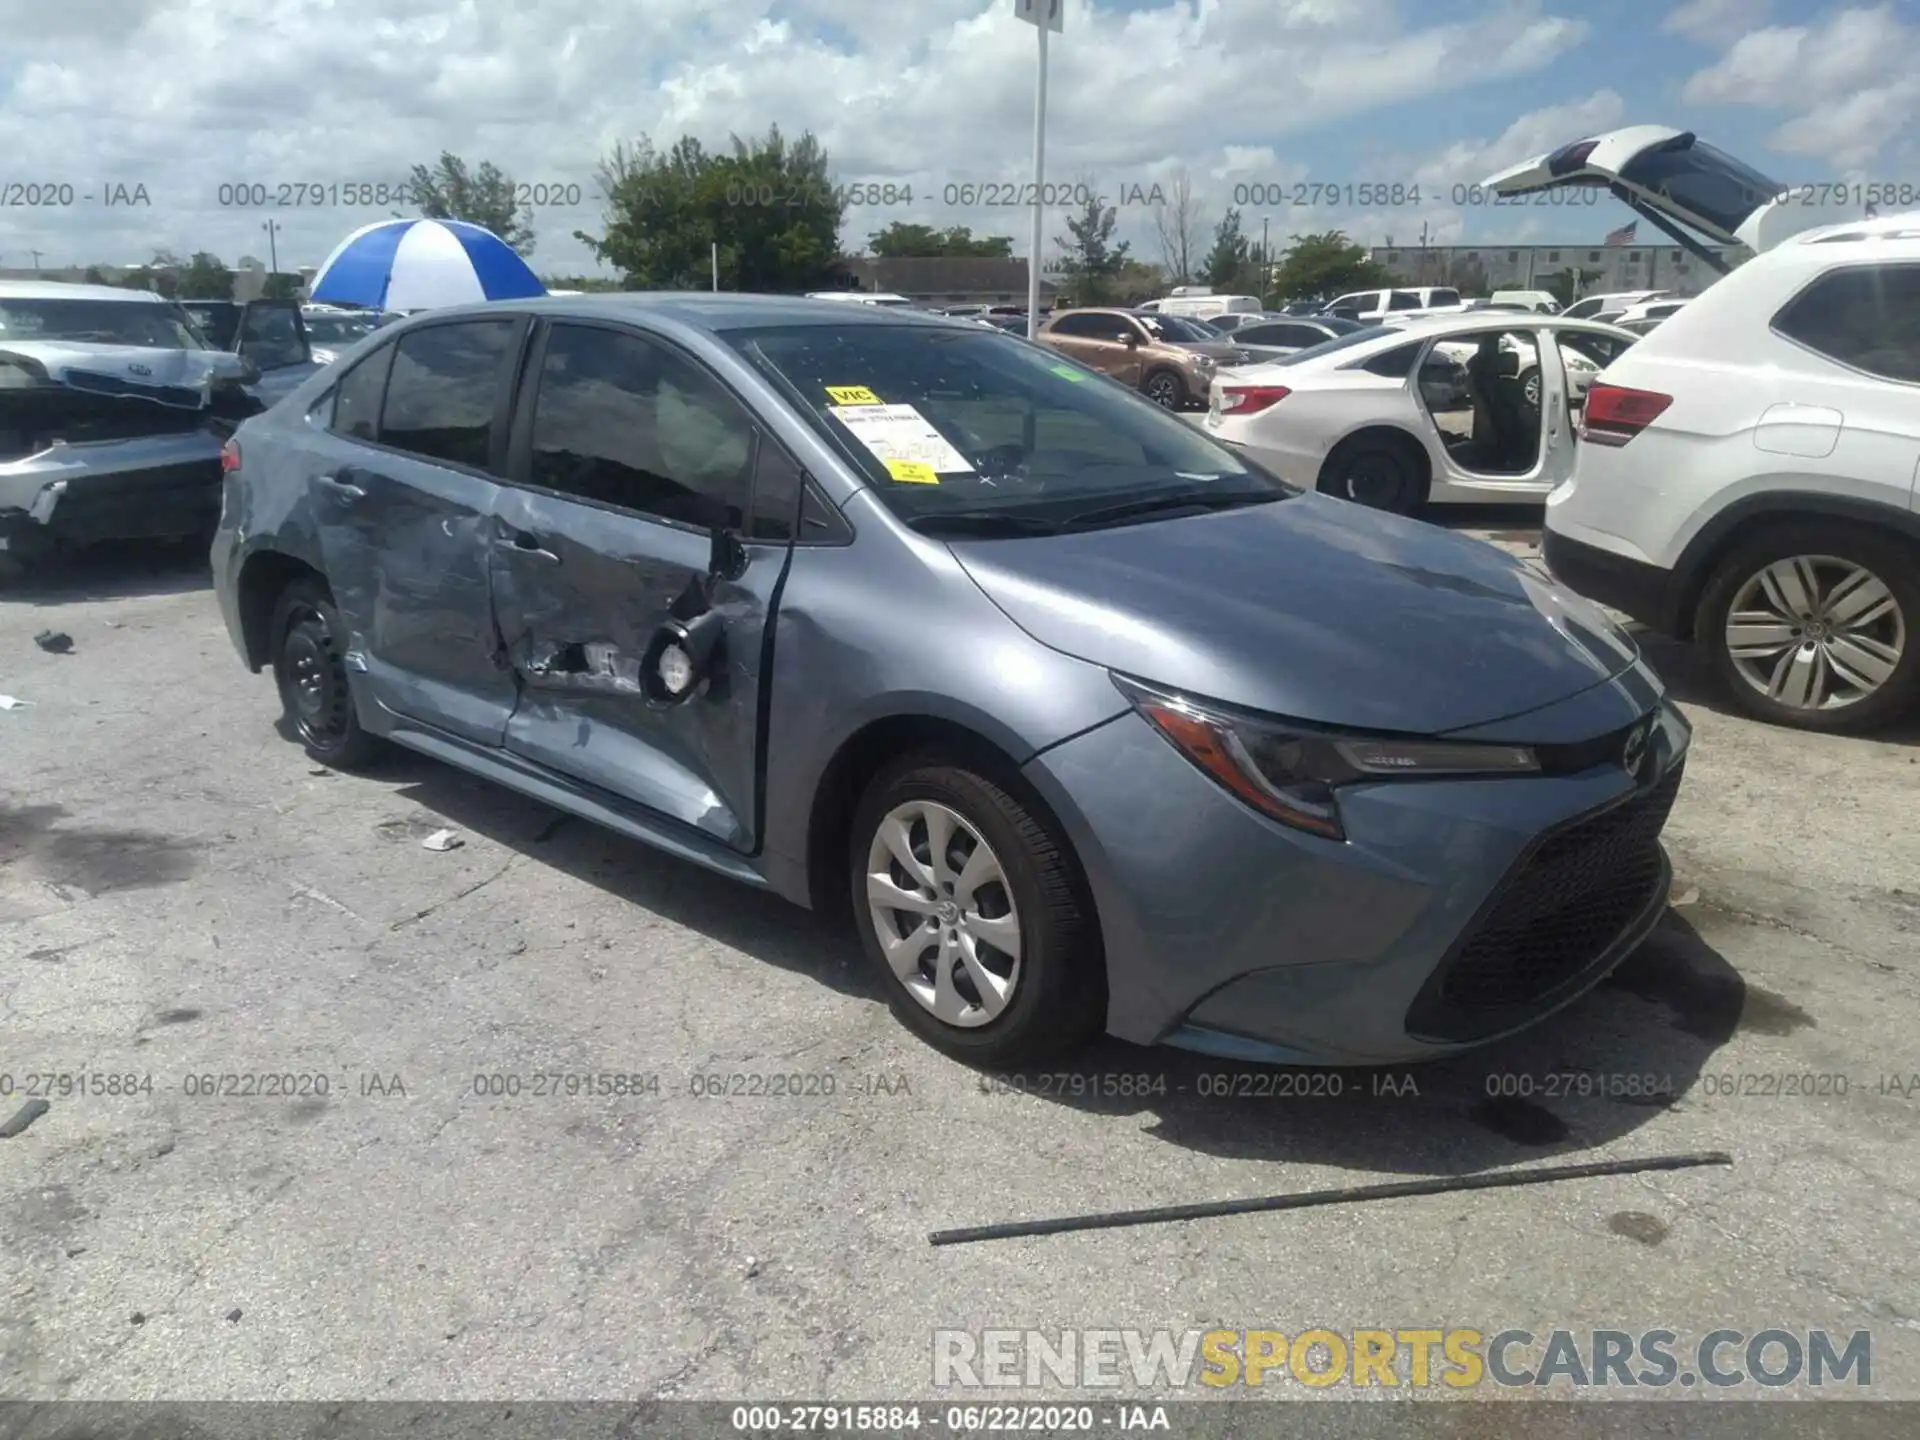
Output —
<point x="356" y="399"/>
<point x="444" y="389"/>
<point x="626" y="422"/>
<point x="1867" y="317"/>
<point x="1396" y="364"/>
<point x="1403" y="300"/>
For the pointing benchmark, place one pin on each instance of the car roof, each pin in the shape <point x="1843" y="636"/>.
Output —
<point x="69" y="290"/>
<point x="698" y="309"/>
<point x="1895" y="236"/>
<point x="1419" y="327"/>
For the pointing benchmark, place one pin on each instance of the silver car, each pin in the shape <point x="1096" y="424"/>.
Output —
<point x="114" y="404"/>
<point x="1083" y="720"/>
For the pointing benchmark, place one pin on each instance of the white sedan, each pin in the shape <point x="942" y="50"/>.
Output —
<point x="1472" y="408"/>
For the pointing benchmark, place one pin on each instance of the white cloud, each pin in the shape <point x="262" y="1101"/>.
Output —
<point x="1449" y="180"/>
<point x="1717" y="22"/>
<point x="1852" y="81"/>
<point x="186" y="95"/>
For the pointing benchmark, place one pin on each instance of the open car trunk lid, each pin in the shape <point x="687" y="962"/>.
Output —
<point x="1679" y="177"/>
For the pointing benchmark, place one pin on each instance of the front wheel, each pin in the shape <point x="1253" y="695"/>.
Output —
<point x="1165" y="389"/>
<point x="309" y="667"/>
<point x="1814" y="626"/>
<point x="971" y="910"/>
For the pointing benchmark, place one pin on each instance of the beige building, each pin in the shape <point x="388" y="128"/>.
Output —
<point x="1482" y="269"/>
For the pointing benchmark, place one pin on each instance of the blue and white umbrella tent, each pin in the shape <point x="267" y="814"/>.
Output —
<point x="422" y="265"/>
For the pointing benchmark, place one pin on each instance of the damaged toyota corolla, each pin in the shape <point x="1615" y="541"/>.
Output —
<point x="113" y="408"/>
<point x="1083" y="719"/>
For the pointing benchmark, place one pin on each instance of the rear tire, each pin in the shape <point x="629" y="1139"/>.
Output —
<point x="1378" y="471"/>
<point x="1815" y="625"/>
<point x="310" y="669"/>
<point x="1002" y="882"/>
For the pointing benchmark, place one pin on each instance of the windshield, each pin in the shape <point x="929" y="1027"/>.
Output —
<point x="945" y="423"/>
<point x="149" y="324"/>
<point x="1178" y="329"/>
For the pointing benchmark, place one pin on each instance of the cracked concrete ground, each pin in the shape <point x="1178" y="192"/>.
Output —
<point x="182" y="894"/>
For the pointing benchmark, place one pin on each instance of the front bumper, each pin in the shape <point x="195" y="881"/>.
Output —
<point x="149" y="487"/>
<point x="1426" y="933"/>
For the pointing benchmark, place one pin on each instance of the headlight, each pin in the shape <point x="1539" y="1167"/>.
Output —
<point x="1292" y="772"/>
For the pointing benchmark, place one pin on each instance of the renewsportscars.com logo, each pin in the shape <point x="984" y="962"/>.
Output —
<point x="1455" y="1358"/>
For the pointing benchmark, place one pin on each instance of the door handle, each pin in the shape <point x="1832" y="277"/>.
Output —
<point x="528" y="546"/>
<point x="345" y="489"/>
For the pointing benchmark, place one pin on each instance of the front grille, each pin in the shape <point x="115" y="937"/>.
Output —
<point x="1559" y="911"/>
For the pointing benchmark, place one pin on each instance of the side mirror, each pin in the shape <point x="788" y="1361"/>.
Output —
<point x="679" y="658"/>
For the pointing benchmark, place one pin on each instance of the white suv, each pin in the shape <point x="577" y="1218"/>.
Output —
<point x="1747" y="478"/>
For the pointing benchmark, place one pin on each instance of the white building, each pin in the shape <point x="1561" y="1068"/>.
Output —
<point x="1481" y="269"/>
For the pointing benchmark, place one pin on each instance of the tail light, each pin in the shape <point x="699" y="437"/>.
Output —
<point x="1250" y="399"/>
<point x="1614" y="414"/>
<point x="230" y="457"/>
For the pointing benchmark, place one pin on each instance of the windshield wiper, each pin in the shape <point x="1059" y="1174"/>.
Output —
<point x="986" y="524"/>
<point x="1162" y="504"/>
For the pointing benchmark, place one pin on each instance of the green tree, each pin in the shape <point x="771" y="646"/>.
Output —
<point x="901" y="240"/>
<point x="282" y="286"/>
<point x="770" y="207"/>
<point x="1139" y="281"/>
<point x="1226" y="265"/>
<point x="205" y="278"/>
<point x="1090" y="261"/>
<point x="1325" y="264"/>
<point x="160" y="275"/>
<point x="448" y="190"/>
<point x="95" y="275"/>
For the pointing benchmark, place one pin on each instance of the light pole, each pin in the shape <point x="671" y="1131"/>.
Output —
<point x="1044" y="16"/>
<point x="272" y="227"/>
<point x="36" y="260"/>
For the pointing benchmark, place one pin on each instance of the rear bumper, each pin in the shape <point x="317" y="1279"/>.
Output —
<point x="1633" y="587"/>
<point x="151" y="487"/>
<point x="1457" y="912"/>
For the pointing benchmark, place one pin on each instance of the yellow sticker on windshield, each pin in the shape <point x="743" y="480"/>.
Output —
<point x="911" y="472"/>
<point x="852" y="395"/>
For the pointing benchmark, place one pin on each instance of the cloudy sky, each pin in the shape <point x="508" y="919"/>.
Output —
<point x="182" y="97"/>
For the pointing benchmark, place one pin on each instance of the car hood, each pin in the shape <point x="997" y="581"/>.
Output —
<point x="181" y="378"/>
<point x="1310" y="608"/>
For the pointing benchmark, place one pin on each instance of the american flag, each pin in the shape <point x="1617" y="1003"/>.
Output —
<point x="1624" y="235"/>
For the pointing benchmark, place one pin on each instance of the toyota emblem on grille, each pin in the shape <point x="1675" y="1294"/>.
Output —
<point x="1633" y="754"/>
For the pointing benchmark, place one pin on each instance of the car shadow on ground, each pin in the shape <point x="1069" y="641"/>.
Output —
<point x="726" y="911"/>
<point x="1588" y="1076"/>
<point x="116" y="570"/>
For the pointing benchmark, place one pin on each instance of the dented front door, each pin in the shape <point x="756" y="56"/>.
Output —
<point x="623" y="454"/>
